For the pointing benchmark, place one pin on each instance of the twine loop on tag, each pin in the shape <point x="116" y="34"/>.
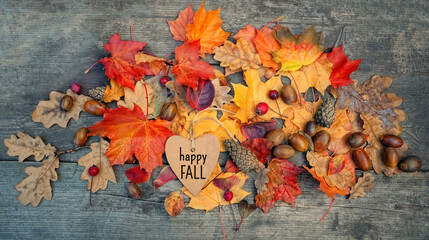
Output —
<point x="194" y="122"/>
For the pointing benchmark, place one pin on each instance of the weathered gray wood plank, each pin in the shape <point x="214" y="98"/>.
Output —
<point x="47" y="45"/>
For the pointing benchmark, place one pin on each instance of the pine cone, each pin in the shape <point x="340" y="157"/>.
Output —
<point x="243" y="157"/>
<point x="325" y="115"/>
<point x="97" y="93"/>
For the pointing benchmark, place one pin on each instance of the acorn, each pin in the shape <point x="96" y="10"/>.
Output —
<point x="298" y="142"/>
<point x="133" y="190"/>
<point x="321" y="141"/>
<point x="362" y="160"/>
<point x="288" y="94"/>
<point x="168" y="111"/>
<point x="357" y="139"/>
<point x="390" y="140"/>
<point x="310" y="128"/>
<point x="66" y="103"/>
<point x="275" y="136"/>
<point x="411" y="164"/>
<point x="390" y="157"/>
<point x="94" y="107"/>
<point x="283" y="151"/>
<point x="80" y="137"/>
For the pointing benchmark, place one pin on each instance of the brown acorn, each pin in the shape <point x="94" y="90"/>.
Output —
<point x="80" y="137"/>
<point x="411" y="164"/>
<point x="390" y="157"/>
<point x="362" y="160"/>
<point x="310" y="128"/>
<point x="357" y="139"/>
<point x="288" y="94"/>
<point x="298" y="142"/>
<point x="390" y="140"/>
<point x="168" y="111"/>
<point x="276" y="136"/>
<point x="94" y="107"/>
<point x="283" y="151"/>
<point x="66" y="103"/>
<point x="133" y="190"/>
<point x="321" y="141"/>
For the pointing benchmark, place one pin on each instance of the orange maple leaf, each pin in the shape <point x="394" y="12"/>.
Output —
<point x="122" y="66"/>
<point x="265" y="43"/>
<point x="206" y="28"/>
<point x="189" y="67"/>
<point x="130" y="132"/>
<point x="178" y="26"/>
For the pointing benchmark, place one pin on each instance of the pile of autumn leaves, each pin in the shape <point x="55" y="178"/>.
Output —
<point x="134" y="129"/>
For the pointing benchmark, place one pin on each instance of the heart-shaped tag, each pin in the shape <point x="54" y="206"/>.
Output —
<point x="193" y="168"/>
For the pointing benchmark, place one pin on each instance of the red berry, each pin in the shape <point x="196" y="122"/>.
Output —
<point x="228" y="195"/>
<point x="164" y="80"/>
<point x="261" y="108"/>
<point x="75" y="87"/>
<point x="93" y="171"/>
<point x="273" y="94"/>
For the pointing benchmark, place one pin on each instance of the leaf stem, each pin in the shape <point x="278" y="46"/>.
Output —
<point x="233" y="215"/>
<point x="90" y="192"/>
<point x="131" y="31"/>
<point x="275" y="20"/>
<point x="241" y="221"/>
<point x="221" y="220"/>
<point x="147" y="100"/>
<point x="332" y="201"/>
<point x="87" y="70"/>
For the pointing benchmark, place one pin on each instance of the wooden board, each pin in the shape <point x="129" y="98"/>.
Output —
<point x="47" y="45"/>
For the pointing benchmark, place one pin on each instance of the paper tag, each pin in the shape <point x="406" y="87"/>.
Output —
<point x="192" y="168"/>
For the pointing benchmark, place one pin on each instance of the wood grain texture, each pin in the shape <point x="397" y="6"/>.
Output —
<point x="47" y="45"/>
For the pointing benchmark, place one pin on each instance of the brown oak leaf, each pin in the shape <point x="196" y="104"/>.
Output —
<point x="138" y="96"/>
<point x="367" y="98"/>
<point x="97" y="158"/>
<point x="221" y="94"/>
<point x="320" y="162"/>
<point x="239" y="56"/>
<point x="157" y="100"/>
<point x="364" y="183"/>
<point x="23" y="146"/>
<point x="50" y="113"/>
<point x="38" y="183"/>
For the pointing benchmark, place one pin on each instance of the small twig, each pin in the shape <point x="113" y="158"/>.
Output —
<point x="72" y="150"/>
<point x="281" y="115"/>
<point x="330" y="205"/>
<point x="241" y="221"/>
<point x="147" y="100"/>
<point x="233" y="215"/>
<point x="297" y="88"/>
<point x="221" y="220"/>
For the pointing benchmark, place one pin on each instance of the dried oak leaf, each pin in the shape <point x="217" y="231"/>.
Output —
<point x="157" y="101"/>
<point x="207" y="29"/>
<point x="342" y="68"/>
<point x="122" y="65"/>
<point x="211" y="196"/>
<point x="364" y="183"/>
<point x="174" y="203"/>
<point x="97" y="158"/>
<point x="141" y="96"/>
<point x="265" y="43"/>
<point x="319" y="162"/>
<point x="297" y="51"/>
<point x="239" y="56"/>
<point x="282" y="185"/>
<point x="178" y="26"/>
<point x="113" y="93"/>
<point x="50" y="113"/>
<point x="23" y="146"/>
<point x="38" y="183"/>
<point x="373" y="128"/>
<point x="221" y="94"/>
<point x="367" y="98"/>
<point x="130" y="132"/>
<point x="190" y="68"/>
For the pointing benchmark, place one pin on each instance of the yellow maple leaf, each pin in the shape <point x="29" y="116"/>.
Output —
<point x="211" y="196"/>
<point x="247" y="98"/>
<point x="340" y="126"/>
<point x="206" y="125"/>
<point x="298" y="116"/>
<point x="315" y="75"/>
<point x="113" y="93"/>
<point x="297" y="51"/>
<point x="232" y="126"/>
<point x="207" y="28"/>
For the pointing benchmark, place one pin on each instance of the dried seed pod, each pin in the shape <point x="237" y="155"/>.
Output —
<point x="80" y="136"/>
<point x="288" y="94"/>
<point x="94" y="107"/>
<point x="133" y="190"/>
<point x="390" y="140"/>
<point x="390" y="157"/>
<point x="283" y="151"/>
<point x="168" y="111"/>
<point x="411" y="164"/>
<point x="298" y="142"/>
<point x="310" y="128"/>
<point x="321" y="141"/>
<point x="362" y="159"/>
<point x="276" y="136"/>
<point x="357" y="139"/>
<point x="66" y="103"/>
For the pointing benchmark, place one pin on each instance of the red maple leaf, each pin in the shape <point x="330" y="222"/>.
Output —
<point x="261" y="147"/>
<point x="178" y="26"/>
<point x="130" y="132"/>
<point x="189" y="67"/>
<point x="342" y="68"/>
<point x="122" y="65"/>
<point x="282" y="184"/>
